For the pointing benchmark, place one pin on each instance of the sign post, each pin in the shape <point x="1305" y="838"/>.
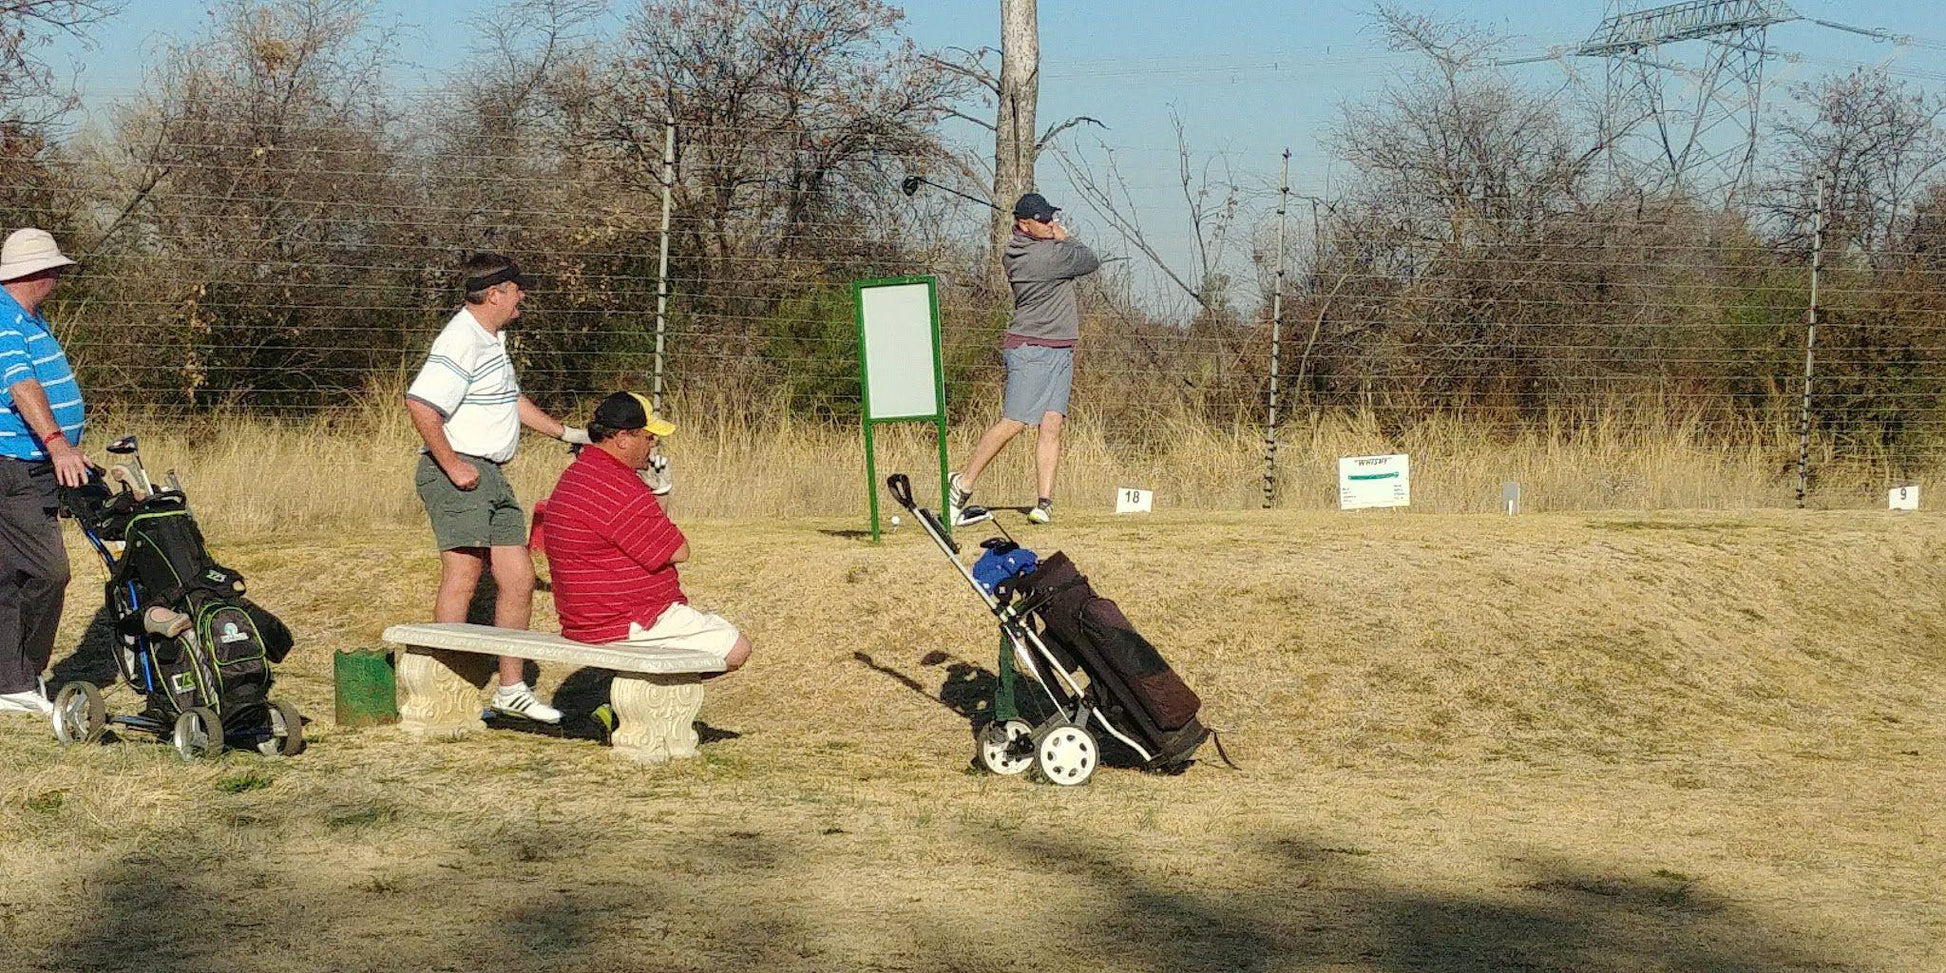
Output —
<point x="900" y="375"/>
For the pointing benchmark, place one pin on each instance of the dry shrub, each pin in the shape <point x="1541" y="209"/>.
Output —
<point x="735" y="459"/>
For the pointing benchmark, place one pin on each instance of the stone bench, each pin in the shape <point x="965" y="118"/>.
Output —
<point x="447" y="665"/>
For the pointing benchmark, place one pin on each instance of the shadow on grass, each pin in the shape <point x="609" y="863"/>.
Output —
<point x="93" y="659"/>
<point x="1310" y="905"/>
<point x="721" y="898"/>
<point x="965" y="688"/>
<point x="968" y="690"/>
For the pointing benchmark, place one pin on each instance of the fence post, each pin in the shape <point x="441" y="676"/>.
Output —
<point x="1276" y="339"/>
<point x="662" y="268"/>
<point x="1810" y="345"/>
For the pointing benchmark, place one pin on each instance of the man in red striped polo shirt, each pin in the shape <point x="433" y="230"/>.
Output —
<point x="614" y="552"/>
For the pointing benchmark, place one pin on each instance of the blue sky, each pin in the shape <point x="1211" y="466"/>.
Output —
<point x="1249" y="77"/>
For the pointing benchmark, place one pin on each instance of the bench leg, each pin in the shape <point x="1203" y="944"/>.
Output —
<point x="655" y="716"/>
<point x="439" y="692"/>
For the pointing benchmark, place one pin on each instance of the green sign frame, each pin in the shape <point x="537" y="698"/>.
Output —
<point x="870" y="421"/>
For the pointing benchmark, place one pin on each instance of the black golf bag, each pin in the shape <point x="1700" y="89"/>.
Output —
<point x="1127" y="678"/>
<point x="222" y="660"/>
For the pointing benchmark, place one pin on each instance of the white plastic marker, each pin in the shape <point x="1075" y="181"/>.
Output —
<point x="1510" y="497"/>
<point x="1132" y="501"/>
<point x="1903" y="498"/>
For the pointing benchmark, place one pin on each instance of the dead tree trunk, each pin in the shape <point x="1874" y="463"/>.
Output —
<point x="1015" y="141"/>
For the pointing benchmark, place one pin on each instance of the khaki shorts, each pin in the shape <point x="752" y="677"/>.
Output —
<point x="485" y="516"/>
<point x="682" y="627"/>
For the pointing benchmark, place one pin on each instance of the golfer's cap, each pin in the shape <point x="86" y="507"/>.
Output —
<point x="1034" y="206"/>
<point x="29" y="251"/>
<point x="626" y="410"/>
<point x="509" y="271"/>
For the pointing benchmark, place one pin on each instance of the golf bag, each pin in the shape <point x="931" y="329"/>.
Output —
<point x="221" y="657"/>
<point x="1133" y="684"/>
<point x="1103" y="678"/>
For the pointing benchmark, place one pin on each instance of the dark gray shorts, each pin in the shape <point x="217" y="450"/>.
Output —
<point x="485" y="516"/>
<point x="1038" y="381"/>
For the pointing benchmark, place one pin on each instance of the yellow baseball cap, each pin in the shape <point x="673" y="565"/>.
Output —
<point x="627" y="410"/>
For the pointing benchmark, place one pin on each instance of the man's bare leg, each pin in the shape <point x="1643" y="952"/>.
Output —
<point x="459" y="574"/>
<point x="1047" y="453"/>
<point x="513" y="607"/>
<point x="991" y="443"/>
<point x="739" y="654"/>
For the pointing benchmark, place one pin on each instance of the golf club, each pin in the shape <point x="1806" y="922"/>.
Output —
<point x="912" y="183"/>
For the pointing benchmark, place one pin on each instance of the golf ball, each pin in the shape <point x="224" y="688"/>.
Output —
<point x="895" y="521"/>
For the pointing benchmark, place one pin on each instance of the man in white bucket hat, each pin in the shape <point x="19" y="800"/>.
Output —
<point x="40" y="427"/>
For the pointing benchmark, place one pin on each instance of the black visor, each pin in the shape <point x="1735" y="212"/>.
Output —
<point x="510" y="275"/>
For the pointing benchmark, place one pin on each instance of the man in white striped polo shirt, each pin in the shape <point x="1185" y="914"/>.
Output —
<point x="468" y="408"/>
<point x="40" y="423"/>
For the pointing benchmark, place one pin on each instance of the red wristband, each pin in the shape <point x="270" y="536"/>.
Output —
<point x="48" y="440"/>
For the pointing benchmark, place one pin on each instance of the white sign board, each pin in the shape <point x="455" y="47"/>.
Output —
<point x="897" y="321"/>
<point x="1903" y="498"/>
<point x="1374" y="481"/>
<point x="1131" y="501"/>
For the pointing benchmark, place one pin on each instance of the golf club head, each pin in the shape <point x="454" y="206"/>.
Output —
<point x="968" y="516"/>
<point x="910" y="185"/>
<point x="123" y="446"/>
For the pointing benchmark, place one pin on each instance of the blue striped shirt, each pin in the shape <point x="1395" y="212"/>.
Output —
<point x="28" y="350"/>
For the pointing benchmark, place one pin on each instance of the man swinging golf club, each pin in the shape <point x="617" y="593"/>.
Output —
<point x="1042" y="265"/>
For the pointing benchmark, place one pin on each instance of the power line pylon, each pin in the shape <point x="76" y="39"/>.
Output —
<point x="1697" y="135"/>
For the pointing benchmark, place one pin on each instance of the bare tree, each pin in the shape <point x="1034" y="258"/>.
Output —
<point x="1016" y="143"/>
<point x="1877" y="143"/>
<point x="260" y="173"/>
<point x="30" y="94"/>
<point x="1211" y="203"/>
<point x="1012" y="93"/>
<point x="32" y="99"/>
<point x="788" y="109"/>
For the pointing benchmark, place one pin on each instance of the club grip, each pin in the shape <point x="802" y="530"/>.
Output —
<point x="901" y="489"/>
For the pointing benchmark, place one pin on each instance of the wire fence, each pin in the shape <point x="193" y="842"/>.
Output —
<point x="300" y="276"/>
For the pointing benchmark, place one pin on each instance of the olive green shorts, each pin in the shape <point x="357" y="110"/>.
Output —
<point x="485" y="516"/>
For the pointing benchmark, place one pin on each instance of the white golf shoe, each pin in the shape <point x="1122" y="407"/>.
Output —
<point x="30" y="702"/>
<point x="518" y="700"/>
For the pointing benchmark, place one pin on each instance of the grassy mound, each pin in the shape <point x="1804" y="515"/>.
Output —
<point x="1615" y="742"/>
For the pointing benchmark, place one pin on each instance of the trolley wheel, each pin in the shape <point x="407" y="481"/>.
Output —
<point x="286" y="731"/>
<point x="1066" y="755"/>
<point x="79" y="714"/>
<point x="198" y="733"/>
<point x="1006" y="748"/>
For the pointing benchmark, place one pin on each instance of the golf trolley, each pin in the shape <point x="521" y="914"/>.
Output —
<point x="196" y="650"/>
<point x="1093" y="692"/>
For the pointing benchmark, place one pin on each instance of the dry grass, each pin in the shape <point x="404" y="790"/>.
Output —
<point x="738" y="461"/>
<point x="1688" y="742"/>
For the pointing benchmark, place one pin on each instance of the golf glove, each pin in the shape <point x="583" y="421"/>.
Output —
<point x="575" y="436"/>
<point x="657" y="475"/>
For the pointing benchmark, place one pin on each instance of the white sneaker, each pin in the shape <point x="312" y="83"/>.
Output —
<point x="957" y="499"/>
<point x="28" y="701"/>
<point x="518" y="700"/>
